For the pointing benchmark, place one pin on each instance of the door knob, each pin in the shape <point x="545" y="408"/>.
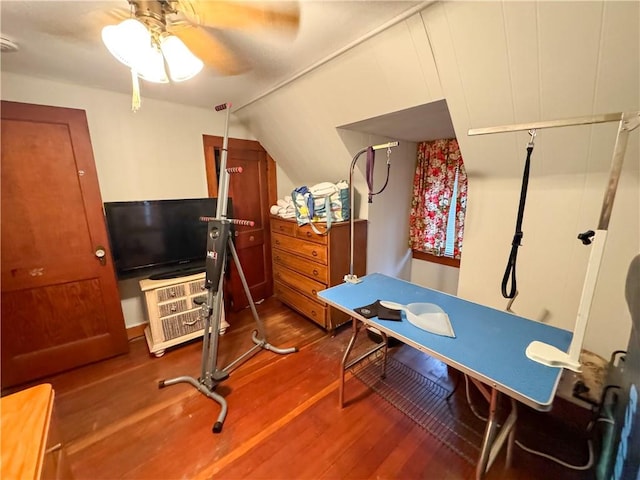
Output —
<point x="101" y="254"/>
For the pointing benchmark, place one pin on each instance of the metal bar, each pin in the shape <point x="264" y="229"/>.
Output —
<point x="223" y="181"/>
<point x="489" y="435"/>
<point x="351" y="277"/>
<point x="355" y="327"/>
<point x="602" y="118"/>
<point x="505" y="432"/>
<point x="385" y="145"/>
<point x="352" y="214"/>
<point x="481" y="388"/>
<point x="629" y="122"/>
<point x="364" y="356"/>
<point x="512" y="434"/>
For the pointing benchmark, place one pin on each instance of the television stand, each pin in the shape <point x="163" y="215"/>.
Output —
<point x="184" y="272"/>
<point x="173" y="314"/>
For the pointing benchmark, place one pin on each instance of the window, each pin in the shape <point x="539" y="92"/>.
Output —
<point x="438" y="206"/>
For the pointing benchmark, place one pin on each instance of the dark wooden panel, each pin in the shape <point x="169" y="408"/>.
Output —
<point x="60" y="304"/>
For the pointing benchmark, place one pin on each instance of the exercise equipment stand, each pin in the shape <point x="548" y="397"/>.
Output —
<point x="219" y="241"/>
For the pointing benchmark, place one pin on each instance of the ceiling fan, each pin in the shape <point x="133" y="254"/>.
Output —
<point x="181" y="36"/>
<point x="200" y="25"/>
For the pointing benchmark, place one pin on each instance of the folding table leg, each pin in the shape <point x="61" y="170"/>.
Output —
<point x="493" y="439"/>
<point x="345" y="365"/>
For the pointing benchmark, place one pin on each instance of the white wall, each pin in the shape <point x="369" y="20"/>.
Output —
<point x="495" y="63"/>
<point x="298" y="125"/>
<point x="513" y="62"/>
<point x="155" y="153"/>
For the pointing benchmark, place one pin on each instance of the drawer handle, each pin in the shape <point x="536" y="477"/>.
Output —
<point x="277" y="242"/>
<point x="313" y="312"/>
<point x="281" y="228"/>
<point x="315" y="272"/>
<point x="173" y="308"/>
<point x="314" y="253"/>
<point x="314" y="291"/>
<point x="184" y="322"/>
<point x="172" y="294"/>
<point x="308" y="234"/>
<point x="278" y="257"/>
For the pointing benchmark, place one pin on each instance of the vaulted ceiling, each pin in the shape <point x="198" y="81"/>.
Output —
<point x="61" y="40"/>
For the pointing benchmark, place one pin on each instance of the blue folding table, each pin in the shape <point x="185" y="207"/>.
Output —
<point x="489" y="347"/>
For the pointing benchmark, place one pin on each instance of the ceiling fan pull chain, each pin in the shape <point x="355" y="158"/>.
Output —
<point x="135" y="97"/>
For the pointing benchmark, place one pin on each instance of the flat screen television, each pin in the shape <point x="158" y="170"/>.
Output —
<point x="159" y="238"/>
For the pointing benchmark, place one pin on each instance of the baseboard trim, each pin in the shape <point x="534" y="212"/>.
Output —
<point x="136" y="331"/>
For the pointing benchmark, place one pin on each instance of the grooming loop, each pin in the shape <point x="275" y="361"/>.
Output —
<point x="351" y="277"/>
<point x="219" y="241"/>
<point x="548" y="354"/>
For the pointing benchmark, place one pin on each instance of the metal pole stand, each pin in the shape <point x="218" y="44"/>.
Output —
<point x="219" y="238"/>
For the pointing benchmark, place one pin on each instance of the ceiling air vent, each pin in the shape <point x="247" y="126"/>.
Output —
<point x="7" y="45"/>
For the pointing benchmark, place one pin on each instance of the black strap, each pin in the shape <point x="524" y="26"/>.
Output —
<point x="517" y="237"/>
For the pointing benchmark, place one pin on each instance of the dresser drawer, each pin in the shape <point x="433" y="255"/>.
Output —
<point x="196" y="287"/>
<point x="182" y="324"/>
<point x="303" y="304"/>
<point x="312" y="251"/>
<point x="169" y="293"/>
<point x="306" y="233"/>
<point x="302" y="265"/>
<point x="171" y="308"/>
<point x="298" y="282"/>
<point x="284" y="227"/>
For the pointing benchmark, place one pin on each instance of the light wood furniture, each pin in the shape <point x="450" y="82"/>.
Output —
<point x="31" y="445"/>
<point x="173" y="316"/>
<point x="305" y="263"/>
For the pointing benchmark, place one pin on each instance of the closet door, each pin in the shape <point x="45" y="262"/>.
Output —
<point x="59" y="296"/>
<point x="252" y="192"/>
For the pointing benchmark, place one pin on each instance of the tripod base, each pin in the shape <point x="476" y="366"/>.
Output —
<point x="267" y="346"/>
<point x="217" y="427"/>
<point x="259" y="344"/>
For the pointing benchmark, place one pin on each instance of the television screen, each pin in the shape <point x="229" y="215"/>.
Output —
<point x="159" y="238"/>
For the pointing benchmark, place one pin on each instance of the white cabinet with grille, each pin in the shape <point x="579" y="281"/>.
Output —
<point x="173" y="316"/>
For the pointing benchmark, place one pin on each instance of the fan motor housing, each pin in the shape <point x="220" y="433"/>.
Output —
<point x="152" y="12"/>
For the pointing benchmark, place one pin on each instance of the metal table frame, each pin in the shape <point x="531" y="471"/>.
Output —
<point x="495" y="435"/>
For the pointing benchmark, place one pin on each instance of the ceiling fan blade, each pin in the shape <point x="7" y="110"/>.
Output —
<point x="277" y="16"/>
<point x="211" y="51"/>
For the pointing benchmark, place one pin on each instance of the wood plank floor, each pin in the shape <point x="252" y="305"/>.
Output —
<point x="283" y="420"/>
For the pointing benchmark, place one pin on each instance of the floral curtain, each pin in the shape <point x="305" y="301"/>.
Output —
<point x="433" y="186"/>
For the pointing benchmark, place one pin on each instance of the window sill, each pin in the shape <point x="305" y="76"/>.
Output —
<point x="451" y="262"/>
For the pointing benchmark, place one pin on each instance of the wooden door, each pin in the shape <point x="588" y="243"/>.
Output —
<point x="60" y="303"/>
<point x="252" y="192"/>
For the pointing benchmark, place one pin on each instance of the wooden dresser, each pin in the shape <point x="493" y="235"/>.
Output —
<point x="31" y="444"/>
<point x="305" y="263"/>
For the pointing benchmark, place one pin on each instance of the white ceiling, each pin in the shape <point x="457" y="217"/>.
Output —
<point x="61" y="40"/>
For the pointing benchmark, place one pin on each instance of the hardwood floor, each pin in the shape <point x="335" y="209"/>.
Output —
<point x="283" y="420"/>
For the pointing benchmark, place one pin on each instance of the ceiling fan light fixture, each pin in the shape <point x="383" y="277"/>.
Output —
<point x="127" y="41"/>
<point x="150" y="66"/>
<point x="182" y="64"/>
